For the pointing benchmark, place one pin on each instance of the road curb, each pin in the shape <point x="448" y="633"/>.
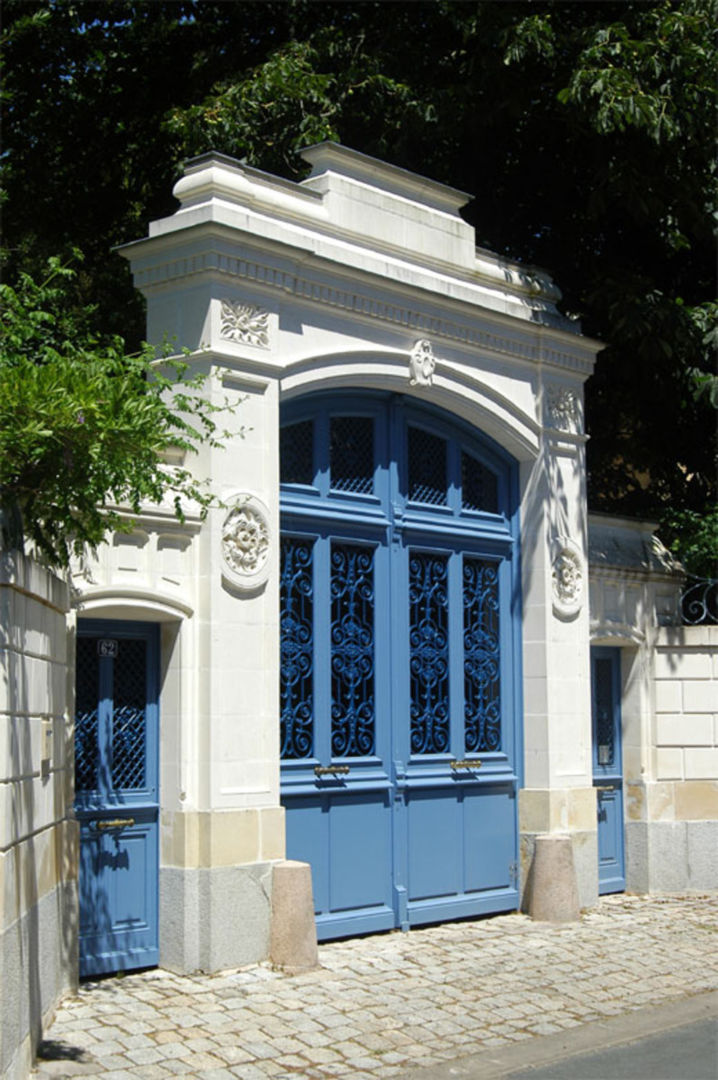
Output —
<point x="598" y="1035"/>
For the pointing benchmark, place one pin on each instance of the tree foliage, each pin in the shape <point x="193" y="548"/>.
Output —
<point x="84" y="427"/>
<point x="585" y="132"/>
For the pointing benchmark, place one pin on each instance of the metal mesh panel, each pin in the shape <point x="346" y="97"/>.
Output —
<point x="603" y="698"/>
<point x="479" y="488"/>
<point x="427" y="467"/>
<point x="129" y="717"/>
<point x="352" y="650"/>
<point x="429" y="653"/>
<point x="482" y="687"/>
<point x="351" y="453"/>
<point x="297" y="649"/>
<point x="296" y="453"/>
<point x="86" y="700"/>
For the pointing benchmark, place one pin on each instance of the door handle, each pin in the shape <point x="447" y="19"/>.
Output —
<point x="115" y="823"/>
<point x="330" y="770"/>
<point x="466" y="763"/>
<point x="605" y="787"/>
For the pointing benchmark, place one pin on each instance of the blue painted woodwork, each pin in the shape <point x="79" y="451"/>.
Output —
<point x="400" y="680"/>
<point x="116" y="794"/>
<point x="607" y="767"/>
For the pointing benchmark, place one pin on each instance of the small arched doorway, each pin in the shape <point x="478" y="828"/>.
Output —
<point x="400" y="681"/>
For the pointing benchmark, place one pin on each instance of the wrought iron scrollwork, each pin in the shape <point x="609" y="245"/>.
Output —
<point x="429" y="653"/>
<point x="297" y="643"/>
<point x="352" y="650"/>
<point x="699" y="602"/>
<point x="482" y="687"/>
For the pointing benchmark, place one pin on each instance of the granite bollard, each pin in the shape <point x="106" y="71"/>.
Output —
<point x="293" y="939"/>
<point x="554" y="891"/>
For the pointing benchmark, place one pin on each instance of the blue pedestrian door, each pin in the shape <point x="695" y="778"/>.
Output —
<point x="399" y="646"/>
<point x="116" y="794"/>
<point x="607" y="767"/>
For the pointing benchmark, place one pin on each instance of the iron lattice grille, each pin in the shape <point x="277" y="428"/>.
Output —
<point x="296" y="453"/>
<point x="296" y="649"/>
<point x="427" y="467"/>
<point x="351" y="454"/>
<point x="603" y="696"/>
<point x="129" y="715"/>
<point x="352" y="650"/>
<point x="479" y="488"/>
<point x="87" y="694"/>
<point x="482" y="685"/>
<point x="429" y="653"/>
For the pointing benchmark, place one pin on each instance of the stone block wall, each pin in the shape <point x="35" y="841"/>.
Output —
<point x="38" y="841"/>
<point x="686" y="690"/>
<point x="682" y="800"/>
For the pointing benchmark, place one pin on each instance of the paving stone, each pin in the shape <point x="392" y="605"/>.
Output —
<point x="378" y="1005"/>
<point x="145" y="1056"/>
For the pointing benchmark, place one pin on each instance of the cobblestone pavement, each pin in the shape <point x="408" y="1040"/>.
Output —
<point x="380" y="1005"/>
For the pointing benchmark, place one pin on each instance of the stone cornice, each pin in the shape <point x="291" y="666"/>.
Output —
<point x="538" y="343"/>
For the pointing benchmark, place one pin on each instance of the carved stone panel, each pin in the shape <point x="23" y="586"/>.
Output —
<point x="422" y="364"/>
<point x="563" y="408"/>
<point x="246" y="324"/>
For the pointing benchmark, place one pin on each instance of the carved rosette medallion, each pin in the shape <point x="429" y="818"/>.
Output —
<point x="422" y="364"/>
<point x="568" y="578"/>
<point x="246" y="542"/>
<point x="244" y="323"/>
<point x="563" y="408"/>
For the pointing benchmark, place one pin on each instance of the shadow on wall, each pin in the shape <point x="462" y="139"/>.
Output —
<point x="38" y="959"/>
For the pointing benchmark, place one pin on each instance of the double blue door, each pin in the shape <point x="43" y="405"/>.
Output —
<point x="607" y="767"/>
<point x="116" y="795"/>
<point x="399" y="689"/>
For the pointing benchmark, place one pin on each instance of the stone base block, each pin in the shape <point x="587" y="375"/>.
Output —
<point x="671" y="856"/>
<point x="293" y="941"/>
<point x="553" y="891"/>
<point x="214" y="919"/>
<point x="38" y="965"/>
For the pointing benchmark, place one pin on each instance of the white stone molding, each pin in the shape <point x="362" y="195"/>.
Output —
<point x="246" y="542"/>
<point x="568" y="577"/>
<point x="355" y="302"/>
<point x="422" y="364"/>
<point x="246" y="324"/>
<point x="562" y="410"/>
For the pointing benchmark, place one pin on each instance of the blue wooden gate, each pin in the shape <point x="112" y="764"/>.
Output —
<point x="400" y="681"/>
<point x="116" y="794"/>
<point x="607" y="767"/>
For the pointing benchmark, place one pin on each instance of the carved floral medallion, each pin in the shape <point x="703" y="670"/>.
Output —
<point x="246" y="542"/>
<point x="568" y="578"/>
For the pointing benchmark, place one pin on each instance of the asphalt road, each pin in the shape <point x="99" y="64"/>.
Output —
<point x="689" y="1052"/>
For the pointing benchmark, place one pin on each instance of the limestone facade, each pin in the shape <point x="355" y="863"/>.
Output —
<point x="38" y="838"/>
<point x="669" y="704"/>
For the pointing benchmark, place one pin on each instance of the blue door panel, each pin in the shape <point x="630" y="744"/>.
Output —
<point x="608" y="767"/>
<point x="307" y="841"/>
<point x="360" y="852"/>
<point x="610" y="841"/>
<point x="116" y="795"/>
<point x="118" y="925"/>
<point x="434" y="845"/>
<point x="489" y="839"/>
<point x="400" y="645"/>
